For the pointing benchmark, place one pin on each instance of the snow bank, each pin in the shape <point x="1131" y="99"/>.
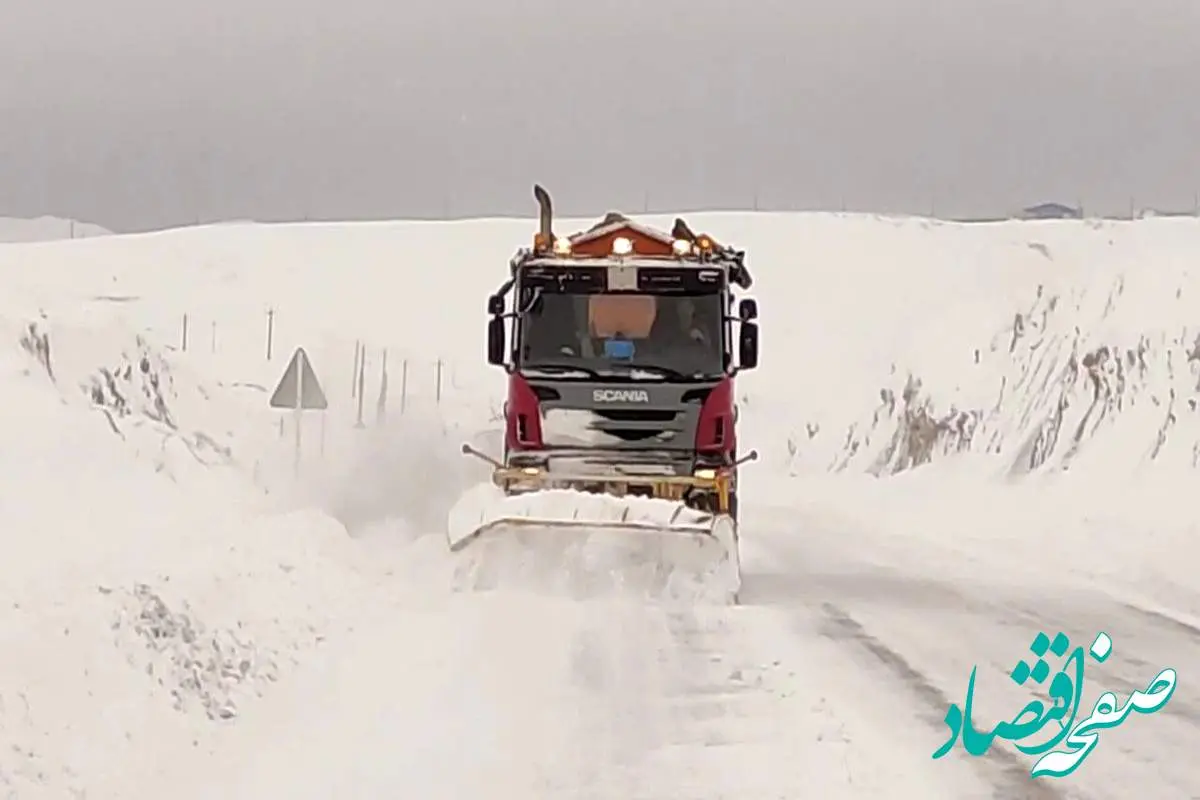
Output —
<point x="1091" y="363"/>
<point x="145" y="600"/>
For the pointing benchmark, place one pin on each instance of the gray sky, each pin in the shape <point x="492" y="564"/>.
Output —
<point x="143" y="113"/>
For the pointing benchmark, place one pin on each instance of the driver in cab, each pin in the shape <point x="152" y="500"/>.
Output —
<point x="620" y="320"/>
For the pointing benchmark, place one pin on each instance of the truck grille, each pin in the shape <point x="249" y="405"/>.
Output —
<point x="659" y="415"/>
<point x="636" y="425"/>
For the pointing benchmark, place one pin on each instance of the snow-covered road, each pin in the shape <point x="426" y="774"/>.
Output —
<point x="601" y="699"/>
<point x="831" y="680"/>
<point x="916" y="629"/>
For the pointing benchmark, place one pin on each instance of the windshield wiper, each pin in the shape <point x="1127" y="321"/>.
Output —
<point x="554" y="367"/>
<point x="619" y="371"/>
<point x="666" y="372"/>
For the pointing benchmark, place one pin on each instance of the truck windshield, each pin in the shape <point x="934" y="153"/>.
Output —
<point x="606" y="333"/>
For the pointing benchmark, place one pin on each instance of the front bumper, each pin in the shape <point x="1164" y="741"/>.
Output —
<point x="627" y="462"/>
<point x="669" y="476"/>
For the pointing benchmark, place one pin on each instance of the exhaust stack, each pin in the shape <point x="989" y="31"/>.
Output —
<point x="546" y="210"/>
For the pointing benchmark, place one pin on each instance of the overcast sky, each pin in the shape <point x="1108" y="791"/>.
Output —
<point x="142" y="113"/>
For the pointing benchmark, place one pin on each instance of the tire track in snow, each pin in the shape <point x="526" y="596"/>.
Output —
<point x="946" y="616"/>
<point x="612" y="666"/>
<point x="660" y="692"/>
<point x="1007" y="774"/>
<point x="677" y="693"/>
<point x="1130" y="672"/>
<point x="1164" y="619"/>
<point x="1155" y="748"/>
<point x="1145" y="643"/>
<point x="709" y="703"/>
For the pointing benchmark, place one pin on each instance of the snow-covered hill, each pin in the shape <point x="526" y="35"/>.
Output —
<point x="46" y="229"/>
<point x="1086" y="354"/>
<point x="186" y="610"/>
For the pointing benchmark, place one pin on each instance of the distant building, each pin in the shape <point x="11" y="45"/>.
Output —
<point x="1147" y="213"/>
<point x="1051" y="211"/>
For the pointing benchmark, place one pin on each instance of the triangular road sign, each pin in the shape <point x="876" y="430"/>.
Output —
<point x="299" y="388"/>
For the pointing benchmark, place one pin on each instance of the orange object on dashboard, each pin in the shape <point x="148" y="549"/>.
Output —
<point x="630" y="315"/>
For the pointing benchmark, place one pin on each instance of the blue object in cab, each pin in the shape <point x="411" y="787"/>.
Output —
<point x="618" y="348"/>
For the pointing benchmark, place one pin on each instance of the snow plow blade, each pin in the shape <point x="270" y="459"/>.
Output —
<point x="591" y="527"/>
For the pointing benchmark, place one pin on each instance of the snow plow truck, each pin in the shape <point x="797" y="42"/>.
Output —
<point x="620" y="344"/>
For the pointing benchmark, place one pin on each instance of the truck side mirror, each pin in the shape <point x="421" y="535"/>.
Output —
<point x="748" y="345"/>
<point x="748" y="309"/>
<point x="495" y="341"/>
<point x="495" y="305"/>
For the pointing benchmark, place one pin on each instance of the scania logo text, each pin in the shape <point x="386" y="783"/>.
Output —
<point x="620" y="396"/>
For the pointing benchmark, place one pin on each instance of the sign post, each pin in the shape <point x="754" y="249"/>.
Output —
<point x="300" y="391"/>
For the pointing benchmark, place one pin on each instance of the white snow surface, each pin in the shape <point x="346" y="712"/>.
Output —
<point x="969" y="434"/>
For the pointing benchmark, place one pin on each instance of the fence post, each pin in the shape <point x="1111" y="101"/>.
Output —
<point x="361" y="370"/>
<point x="381" y="404"/>
<point x="403" y="386"/>
<point x="185" y="332"/>
<point x="354" y="369"/>
<point x="438" y="395"/>
<point x="214" y="336"/>
<point x="270" y="331"/>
